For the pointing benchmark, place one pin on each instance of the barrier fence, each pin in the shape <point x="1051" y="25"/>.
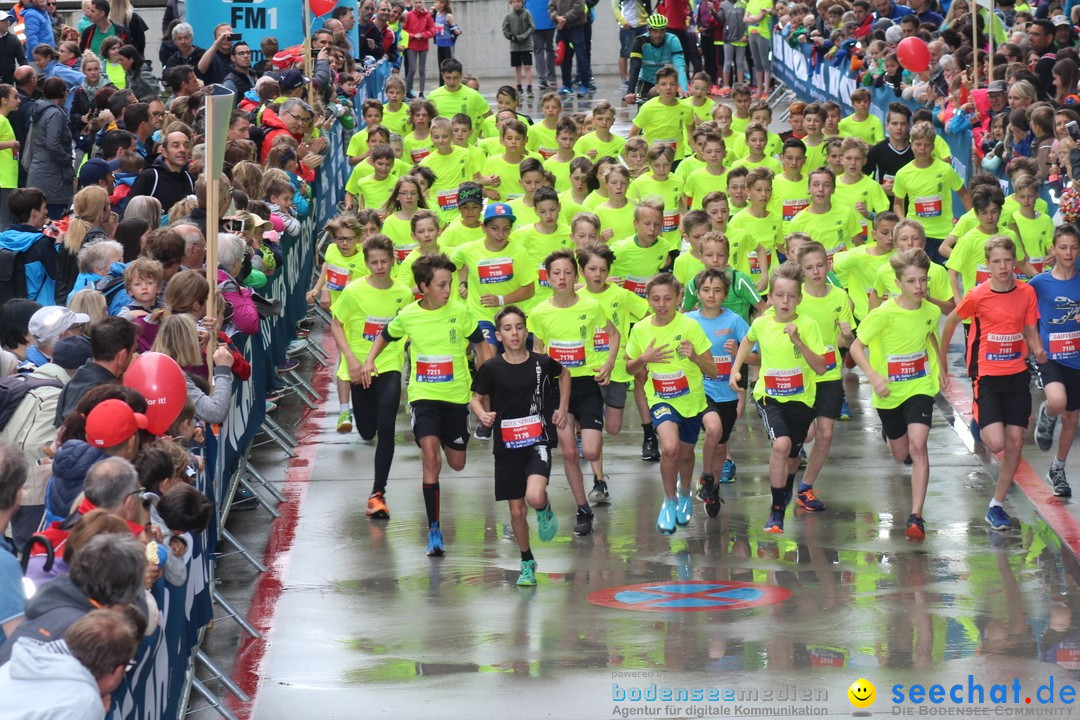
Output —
<point x="160" y="682"/>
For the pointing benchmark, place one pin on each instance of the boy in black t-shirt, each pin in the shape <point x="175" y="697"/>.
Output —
<point x="515" y="394"/>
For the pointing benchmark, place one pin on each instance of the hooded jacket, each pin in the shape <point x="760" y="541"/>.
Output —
<point x="116" y="294"/>
<point x="40" y="670"/>
<point x="54" y="608"/>
<point x="28" y="265"/>
<point x="420" y="25"/>
<point x="52" y="167"/>
<point x="37" y="27"/>
<point x="168" y="186"/>
<point x="274" y="127"/>
<point x="88" y="376"/>
<point x="73" y="460"/>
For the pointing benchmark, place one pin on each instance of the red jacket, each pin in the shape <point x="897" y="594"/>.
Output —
<point x="421" y="27"/>
<point x="274" y="127"/>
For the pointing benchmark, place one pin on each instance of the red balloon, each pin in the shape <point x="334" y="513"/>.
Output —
<point x="913" y="54"/>
<point x="321" y="7"/>
<point x="162" y="383"/>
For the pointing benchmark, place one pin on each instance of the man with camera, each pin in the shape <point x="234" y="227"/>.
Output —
<point x="217" y="62"/>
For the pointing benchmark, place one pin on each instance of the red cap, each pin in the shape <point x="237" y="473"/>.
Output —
<point x="112" y="422"/>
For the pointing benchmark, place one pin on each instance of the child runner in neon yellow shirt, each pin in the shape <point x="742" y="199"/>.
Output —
<point x="533" y="177"/>
<point x="861" y="124"/>
<point x="676" y="354"/>
<point x="566" y="134"/>
<point x="452" y="166"/>
<point x="502" y="172"/>
<point x="909" y="235"/>
<point x="760" y="225"/>
<point x="640" y="256"/>
<point x="601" y="141"/>
<point x="664" y="119"/>
<point x="541" y="136"/>
<point x="790" y="191"/>
<point x="542" y="238"/>
<point x="834" y="226"/>
<point x="711" y="176"/>
<point x="425" y="233"/>
<point x="1034" y="229"/>
<point x="660" y="183"/>
<point x="406" y="199"/>
<point x="857" y="268"/>
<point x="467" y="226"/>
<point x="858" y="191"/>
<point x="688" y="264"/>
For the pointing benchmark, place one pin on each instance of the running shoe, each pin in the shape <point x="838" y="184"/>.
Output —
<point x="566" y="90"/>
<point x="527" y="578"/>
<point x="915" y="528"/>
<point x="705" y="487"/>
<point x="580" y="452"/>
<point x="583" y="526"/>
<point x="802" y="458"/>
<point x="583" y="90"/>
<point x="684" y="509"/>
<point x="1044" y="428"/>
<point x="481" y="432"/>
<point x="650" y="451"/>
<point x="377" y="508"/>
<point x="845" y="411"/>
<point x="244" y="499"/>
<point x="727" y="475"/>
<point x="997" y="518"/>
<point x="529" y="93"/>
<point x="288" y="365"/>
<point x="807" y="500"/>
<point x="270" y="407"/>
<point x="725" y="92"/>
<point x="599" y="494"/>
<point x="712" y="505"/>
<point x="1056" y="476"/>
<point x="775" y="523"/>
<point x="435" y="546"/>
<point x="344" y="421"/>
<point x="547" y="522"/>
<point x="665" y="523"/>
<point x="715" y="90"/>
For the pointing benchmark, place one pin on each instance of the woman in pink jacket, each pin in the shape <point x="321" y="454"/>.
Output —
<point x="419" y="27"/>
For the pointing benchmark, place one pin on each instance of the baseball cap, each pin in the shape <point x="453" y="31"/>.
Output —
<point x="997" y="86"/>
<point x="112" y="422"/>
<point x="1060" y="20"/>
<point x="470" y="195"/>
<point x="48" y="323"/>
<point x="292" y="79"/>
<point x="95" y="170"/>
<point x="9" y="16"/>
<point x="498" y="210"/>
<point x="71" y="353"/>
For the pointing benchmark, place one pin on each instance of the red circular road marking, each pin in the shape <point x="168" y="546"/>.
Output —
<point x="689" y="596"/>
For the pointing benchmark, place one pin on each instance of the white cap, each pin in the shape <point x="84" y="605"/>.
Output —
<point x="50" y="322"/>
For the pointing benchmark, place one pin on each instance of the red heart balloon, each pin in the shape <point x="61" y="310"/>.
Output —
<point x="162" y="383"/>
<point x="321" y="7"/>
<point x="913" y="54"/>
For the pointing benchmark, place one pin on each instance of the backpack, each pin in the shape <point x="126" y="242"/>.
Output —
<point x="14" y="388"/>
<point x="109" y="286"/>
<point x="12" y="275"/>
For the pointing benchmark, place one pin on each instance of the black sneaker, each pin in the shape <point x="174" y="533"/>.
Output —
<point x="583" y="526"/>
<point x="1044" y="428"/>
<point x="244" y="499"/>
<point x="599" y="494"/>
<point x="481" y="432"/>
<point x="650" y="451"/>
<point x="1056" y="476"/>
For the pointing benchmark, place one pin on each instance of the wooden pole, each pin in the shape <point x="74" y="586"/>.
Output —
<point x="990" y="55"/>
<point x="308" y="60"/>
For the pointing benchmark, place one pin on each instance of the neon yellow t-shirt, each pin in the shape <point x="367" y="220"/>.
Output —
<point x="857" y="269"/>
<point x="619" y="220"/>
<point x="416" y="149"/>
<point x="968" y="256"/>
<point x="493" y="272"/>
<point x="900" y="351"/>
<point x="737" y="148"/>
<point x="670" y="191"/>
<point x="509" y="176"/>
<point x="764" y="231"/>
<point x="539" y="245"/>
<point x="523" y="214"/>
<point x="396" y="121"/>
<point x="678" y="382"/>
<point x="886" y="286"/>
<point x="560" y="170"/>
<point x="785" y="376"/>
<point x="790" y="197"/>
<point x="865" y="191"/>
<point x="686" y="267"/>
<point x="1010" y="206"/>
<point x="828" y="312"/>
<point x="342" y="270"/>
<point x="457" y="234"/>
<point x="622" y="308"/>
<point x="834" y="229"/>
<point x="567" y="333"/>
<point x="871" y="130"/>
<point x="689" y="164"/>
<point x="700" y="183"/>
<point x="374" y="192"/>
<point x="636" y="264"/>
<point x="928" y="192"/>
<point x="437" y="355"/>
<point x="1036" y="237"/>
<point x="364" y="310"/>
<point x="541" y="140"/>
<point x="400" y="231"/>
<point x="463" y="100"/>
<point x="589" y="142"/>
<point x="768" y="161"/>
<point x="665" y="124"/>
<point x="450" y="171"/>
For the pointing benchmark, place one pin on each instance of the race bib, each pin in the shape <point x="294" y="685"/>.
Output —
<point x="495" y="270"/>
<point x="791" y="208"/>
<point x="723" y="367"/>
<point x="1004" y="347"/>
<point x="784" y="383"/>
<point x="982" y="274"/>
<point x="670" y="385"/>
<point x="601" y="341"/>
<point x="928" y="206"/>
<point x="671" y="221"/>
<point x="830" y="358"/>
<point x="569" y="354"/>
<point x="419" y="154"/>
<point x="373" y="326"/>
<point x="907" y="367"/>
<point x="755" y="263"/>
<point x="542" y="277"/>
<point x="434" y="368"/>
<point x="547" y="152"/>
<point x="1039" y="264"/>
<point x="1064" y="345"/>
<point x="447" y="199"/>
<point x="337" y="277"/>
<point x="402" y="251"/>
<point x="636" y="284"/>
<point x="670" y="142"/>
<point x="521" y="432"/>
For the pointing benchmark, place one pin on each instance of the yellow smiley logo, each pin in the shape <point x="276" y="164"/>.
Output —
<point x="862" y="693"/>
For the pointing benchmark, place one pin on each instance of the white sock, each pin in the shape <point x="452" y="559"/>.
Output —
<point x="344" y="407"/>
<point x="995" y="503"/>
<point x="1057" y="464"/>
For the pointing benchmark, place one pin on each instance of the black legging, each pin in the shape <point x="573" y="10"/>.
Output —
<point x="375" y="410"/>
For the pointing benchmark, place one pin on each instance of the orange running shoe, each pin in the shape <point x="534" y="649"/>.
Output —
<point x="915" y="529"/>
<point x="377" y="508"/>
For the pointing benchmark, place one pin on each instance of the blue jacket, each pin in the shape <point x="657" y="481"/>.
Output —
<point x="37" y="254"/>
<point x="38" y="29"/>
<point x="118" y="299"/>
<point x="69" y="468"/>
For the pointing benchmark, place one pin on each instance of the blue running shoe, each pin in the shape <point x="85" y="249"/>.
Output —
<point x="665" y="523"/>
<point x="583" y="90"/>
<point x="727" y="475"/>
<point x="566" y="90"/>
<point x="435" y="544"/>
<point x="684" y="509"/>
<point x="845" y="411"/>
<point x="527" y="578"/>
<point x="548" y="523"/>
<point x="997" y="518"/>
<point x="775" y="523"/>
